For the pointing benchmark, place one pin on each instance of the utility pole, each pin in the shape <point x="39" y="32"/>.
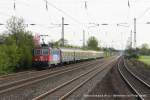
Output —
<point x="83" y="38"/>
<point x="135" y="33"/>
<point x="122" y="40"/>
<point x="62" y="35"/>
<point x="131" y="39"/>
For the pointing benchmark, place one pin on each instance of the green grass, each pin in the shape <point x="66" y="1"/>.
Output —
<point x="145" y="59"/>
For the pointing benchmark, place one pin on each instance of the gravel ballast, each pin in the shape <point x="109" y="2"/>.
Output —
<point x="112" y="87"/>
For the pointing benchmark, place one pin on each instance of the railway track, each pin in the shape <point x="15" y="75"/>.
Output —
<point x="138" y="85"/>
<point x="64" y="90"/>
<point x="25" y="74"/>
<point x="138" y="73"/>
<point x="25" y="82"/>
<point x="13" y="75"/>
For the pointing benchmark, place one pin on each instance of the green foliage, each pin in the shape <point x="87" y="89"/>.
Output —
<point x="15" y="25"/>
<point x="16" y="47"/>
<point x="60" y="44"/>
<point x="92" y="43"/>
<point x="144" y="46"/>
<point x="3" y="60"/>
<point x="131" y="53"/>
<point x="9" y="58"/>
<point x="145" y="59"/>
<point x="144" y="50"/>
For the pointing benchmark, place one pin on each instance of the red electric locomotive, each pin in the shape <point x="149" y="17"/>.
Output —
<point x="46" y="56"/>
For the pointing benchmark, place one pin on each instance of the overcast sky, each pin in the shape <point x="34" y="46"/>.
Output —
<point x="77" y="15"/>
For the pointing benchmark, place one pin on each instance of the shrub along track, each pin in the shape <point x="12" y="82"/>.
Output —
<point x="19" y="90"/>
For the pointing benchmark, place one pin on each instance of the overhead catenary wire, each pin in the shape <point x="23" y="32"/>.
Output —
<point x="46" y="6"/>
<point x="14" y="5"/>
<point x="47" y="3"/>
<point x="141" y="15"/>
<point x="65" y="13"/>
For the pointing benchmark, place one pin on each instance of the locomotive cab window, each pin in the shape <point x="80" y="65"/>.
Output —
<point x="37" y="52"/>
<point x="45" y="51"/>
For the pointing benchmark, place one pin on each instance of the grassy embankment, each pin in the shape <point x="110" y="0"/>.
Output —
<point x="145" y="59"/>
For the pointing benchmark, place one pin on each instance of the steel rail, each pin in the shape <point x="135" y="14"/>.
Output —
<point x="2" y="77"/>
<point x="7" y="77"/>
<point x="13" y="74"/>
<point x="141" y="76"/>
<point x="128" y="82"/>
<point x="81" y="84"/>
<point x="14" y="85"/>
<point x="136" y="75"/>
<point x="66" y="83"/>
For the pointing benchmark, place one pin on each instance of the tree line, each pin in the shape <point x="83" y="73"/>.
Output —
<point x="136" y="52"/>
<point x="16" y="46"/>
<point x="92" y="44"/>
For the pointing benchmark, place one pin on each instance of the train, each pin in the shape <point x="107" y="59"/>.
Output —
<point x="46" y="57"/>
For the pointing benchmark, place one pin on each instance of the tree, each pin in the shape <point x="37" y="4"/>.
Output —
<point x="15" y="25"/>
<point x="144" y="49"/>
<point x="16" y="47"/>
<point x="22" y="38"/>
<point x="59" y="43"/>
<point x="92" y="43"/>
<point x="131" y="53"/>
<point x="145" y="46"/>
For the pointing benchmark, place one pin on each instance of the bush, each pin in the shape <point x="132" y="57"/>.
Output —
<point x="9" y="58"/>
<point x="16" y="47"/>
<point x="3" y="60"/>
<point x="131" y="53"/>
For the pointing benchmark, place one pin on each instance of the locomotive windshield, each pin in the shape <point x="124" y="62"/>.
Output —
<point x="45" y="51"/>
<point x="37" y="52"/>
<point x="41" y="52"/>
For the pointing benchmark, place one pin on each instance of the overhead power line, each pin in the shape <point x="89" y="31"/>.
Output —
<point x="129" y="3"/>
<point x="140" y="16"/>
<point x="14" y="4"/>
<point x="60" y="10"/>
<point x="46" y="5"/>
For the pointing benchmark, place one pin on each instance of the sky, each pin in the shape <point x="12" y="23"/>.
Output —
<point x="81" y="16"/>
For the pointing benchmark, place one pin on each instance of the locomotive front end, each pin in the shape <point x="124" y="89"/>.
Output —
<point x="41" y="57"/>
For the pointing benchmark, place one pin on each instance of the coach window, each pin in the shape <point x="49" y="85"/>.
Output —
<point x="45" y="51"/>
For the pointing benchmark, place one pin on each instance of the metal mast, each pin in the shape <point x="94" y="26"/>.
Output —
<point x="134" y="32"/>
